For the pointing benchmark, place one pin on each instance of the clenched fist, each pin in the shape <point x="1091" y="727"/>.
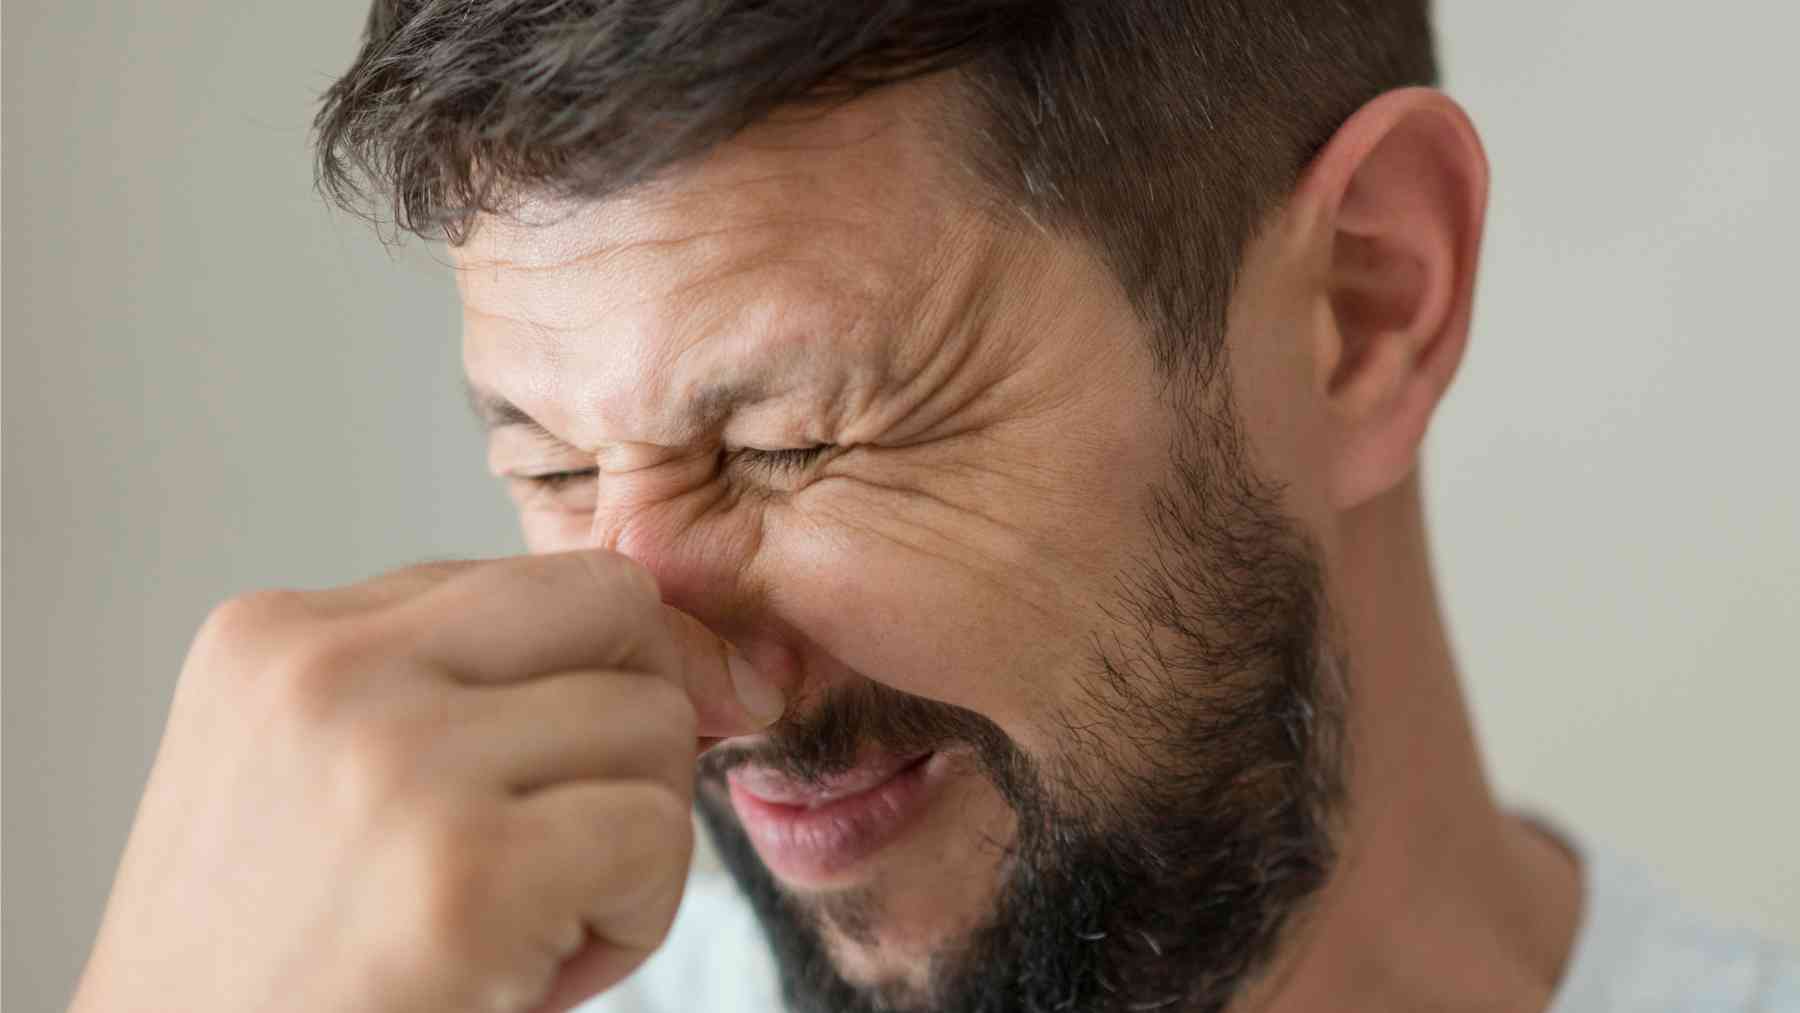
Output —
<point x="460" y="786"/>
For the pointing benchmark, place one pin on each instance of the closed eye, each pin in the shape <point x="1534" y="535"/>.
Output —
<point x="785" y="463"/>
<point x="558" y="479"/>
<point x="782" y="463"/>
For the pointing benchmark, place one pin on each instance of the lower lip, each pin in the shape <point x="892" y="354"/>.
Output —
<point x="816" y="845"/>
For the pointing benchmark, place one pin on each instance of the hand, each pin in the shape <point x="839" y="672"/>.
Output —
<point x="460" y="786"/>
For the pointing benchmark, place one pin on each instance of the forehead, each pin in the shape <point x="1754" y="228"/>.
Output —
<point x="812" y="251"/>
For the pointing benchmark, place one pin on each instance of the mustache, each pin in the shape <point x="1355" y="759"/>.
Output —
<point x="832" y="729"/>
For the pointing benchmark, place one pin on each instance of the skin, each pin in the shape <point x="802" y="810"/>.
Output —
<point x="994" y="390"/>
<point x="945" y="494"/>
<point x="995" y="423"/>
<point x="402" y="795"/>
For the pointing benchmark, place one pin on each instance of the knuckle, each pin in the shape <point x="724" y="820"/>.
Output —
<point x="433" y="571"/>
<point x="247" y="621"/>
<point x="272" y="653"/>
<point x="313" y="675"/>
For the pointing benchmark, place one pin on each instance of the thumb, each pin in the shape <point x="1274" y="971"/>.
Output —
<point x="730" y="697"/>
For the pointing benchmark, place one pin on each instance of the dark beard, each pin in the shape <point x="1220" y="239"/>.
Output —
<point x="1158" y="860"/>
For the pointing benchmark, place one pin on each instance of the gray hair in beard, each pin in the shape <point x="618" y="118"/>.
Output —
<point x="1192" y="815"/>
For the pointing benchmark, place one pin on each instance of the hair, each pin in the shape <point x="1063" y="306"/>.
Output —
<point x="1177" y="834"/>
<point x="1161" y="132"/>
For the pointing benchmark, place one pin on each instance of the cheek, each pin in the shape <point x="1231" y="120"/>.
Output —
<point x="555" y="530"/>
<point x="936" y="603"/>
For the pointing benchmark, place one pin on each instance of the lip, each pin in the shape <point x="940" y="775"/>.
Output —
<point x="815" y="834"/>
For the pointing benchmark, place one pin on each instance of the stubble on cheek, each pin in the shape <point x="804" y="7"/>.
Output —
<point x="931" y="893"/>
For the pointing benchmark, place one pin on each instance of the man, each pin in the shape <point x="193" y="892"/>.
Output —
<point x="969" y="452"/>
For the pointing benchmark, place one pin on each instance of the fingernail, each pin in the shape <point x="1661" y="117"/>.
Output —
<point x="758" y="695"/>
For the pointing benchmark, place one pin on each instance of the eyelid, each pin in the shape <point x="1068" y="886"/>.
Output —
<point x="558" y="479"/>
<point x="785" y="461"/>
<point x="520" y="453"/>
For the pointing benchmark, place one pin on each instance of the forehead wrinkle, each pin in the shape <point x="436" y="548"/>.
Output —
<point x="590" y="236"/>
<point x="754" y="352"/>
<point x="660" y="365"/>
<point x="542" y="336"/>
<point x="747" y="326"/>
<point x="849" y="249"/>
<point x="770" y="230"/>
<point x="616" y="266"/>
<point x="888" y="315"/>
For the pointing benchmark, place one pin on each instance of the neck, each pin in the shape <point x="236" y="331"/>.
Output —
<point x="1440" y="897"/>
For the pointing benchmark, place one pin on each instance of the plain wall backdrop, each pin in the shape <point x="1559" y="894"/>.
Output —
<point x="213" y="384"/>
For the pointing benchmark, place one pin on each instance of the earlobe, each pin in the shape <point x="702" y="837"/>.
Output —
<point x="1398" y="198"/>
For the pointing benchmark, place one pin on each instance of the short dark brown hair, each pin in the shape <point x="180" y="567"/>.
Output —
<point x="1159" y="131"/>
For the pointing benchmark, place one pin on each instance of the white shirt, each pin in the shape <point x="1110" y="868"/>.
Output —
<point x="1639" y="949"/>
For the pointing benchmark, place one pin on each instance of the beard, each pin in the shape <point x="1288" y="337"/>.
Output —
<point x="1188" y="820"/>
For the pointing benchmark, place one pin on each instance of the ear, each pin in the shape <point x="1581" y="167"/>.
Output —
<point x="1394" y="206"/>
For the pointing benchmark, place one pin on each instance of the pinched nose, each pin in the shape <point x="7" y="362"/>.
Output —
<point x="702" y="557"/>
<point x="702" y="553"/>
<point x="668" y="511"/>
<point x="731" y="696"/>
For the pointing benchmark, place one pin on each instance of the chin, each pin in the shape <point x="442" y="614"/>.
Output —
<point x="1150" y="852"/>
<point x="888" y="867"/>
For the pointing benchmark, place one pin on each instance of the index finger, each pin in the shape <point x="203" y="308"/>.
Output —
<point x="590" y="609"/>
<point x="387" y="589"/>
<point x="531" y="615"/>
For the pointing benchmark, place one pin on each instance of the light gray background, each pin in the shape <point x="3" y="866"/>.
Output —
<point x="211" y="384"/>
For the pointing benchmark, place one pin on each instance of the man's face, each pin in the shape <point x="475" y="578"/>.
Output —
<point x="1062" y="713"/>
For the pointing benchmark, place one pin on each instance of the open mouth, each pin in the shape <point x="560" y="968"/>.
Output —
<point x="814" y="833"/>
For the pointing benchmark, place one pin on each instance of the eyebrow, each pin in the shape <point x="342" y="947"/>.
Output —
<point x="705" y="408"/>
<point x="495" y="412"/>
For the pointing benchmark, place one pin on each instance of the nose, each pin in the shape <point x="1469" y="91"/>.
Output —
<point x="702" y="551"/>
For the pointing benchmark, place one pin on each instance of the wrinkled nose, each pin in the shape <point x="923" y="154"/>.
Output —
<point x="699" y="566"/>
<point x="658" y="505"/>
<point x="701" y="546"/>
